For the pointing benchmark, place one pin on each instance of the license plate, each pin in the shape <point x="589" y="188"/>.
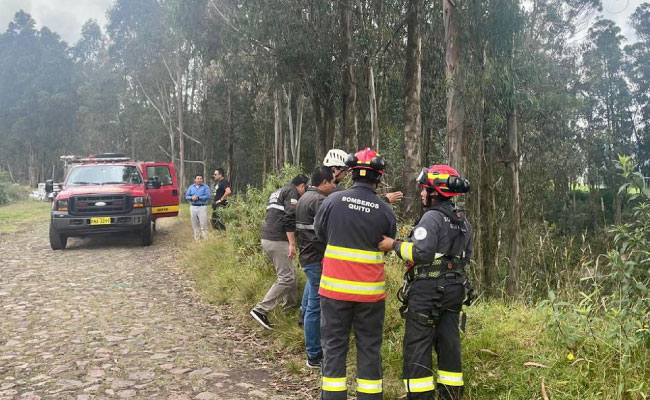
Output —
<point x="100" y="221"/>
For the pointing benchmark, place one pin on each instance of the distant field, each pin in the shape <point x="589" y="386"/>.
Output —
<point x="17" y="216"/>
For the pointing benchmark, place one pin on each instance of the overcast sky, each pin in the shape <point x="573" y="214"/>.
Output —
<point x="64" y="17"/>
<point x="67" y="16"/>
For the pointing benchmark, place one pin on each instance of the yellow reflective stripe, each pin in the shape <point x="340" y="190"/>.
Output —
<point x="369" y="386"/>
<point x="352" y="287"/>
<point x="406" y="251"/>
<point x="450" y="378"/>
<point x="334" y="384"/>
<point x="419" y="385"/>
<point x="364" y="256"/>
<point x="434" y="176"/>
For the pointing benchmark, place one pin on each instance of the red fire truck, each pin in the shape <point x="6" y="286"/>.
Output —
<point x="110" y="193"/>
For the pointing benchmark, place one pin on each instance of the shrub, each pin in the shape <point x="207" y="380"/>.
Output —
<point x="10" y="192"/>
<point x="610" y="322"/>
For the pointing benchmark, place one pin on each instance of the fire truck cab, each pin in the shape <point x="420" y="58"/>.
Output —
<point x="110" y="193"/>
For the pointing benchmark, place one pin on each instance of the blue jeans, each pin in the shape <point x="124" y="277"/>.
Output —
<point x="312" y="312"/>
<point x="305" y="299"/>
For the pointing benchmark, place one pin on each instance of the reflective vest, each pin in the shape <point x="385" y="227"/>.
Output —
<point x="353" y="222"/>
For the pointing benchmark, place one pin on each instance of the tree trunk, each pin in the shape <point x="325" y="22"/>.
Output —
<point x="413" y="121"/>
<point x="491" y="248"/>
<point x="330" y="125"/>
<point x="319" y="128"/>
<point x="374" y="123"/>
<point x="512" y="281"/>
<point x="231" y="138"/>
<point x="455" y="112"/>
<point x="300" y="104"/>
<point x="33" y="181"/>
<point x="478" y="216"/>
<point x="349" y="134"/>
<point x="179" y="105"/>
<point x="287" y="99"/>
<point x="279" y="140"/>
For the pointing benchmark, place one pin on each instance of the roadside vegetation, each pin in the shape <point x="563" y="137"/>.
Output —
<point x="585" y="337"/>
<point x="18" y="216"/>
<point x="10" y="191"/>
<point x="17" y="211"/>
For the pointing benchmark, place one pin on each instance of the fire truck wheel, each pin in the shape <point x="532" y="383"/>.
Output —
<point x="58" y="241"/>
<point x="146" y="235"/>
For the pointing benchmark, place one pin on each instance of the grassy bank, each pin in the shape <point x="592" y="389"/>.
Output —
<point x="16" y="217"/>
<point x="513" y="351"/>
<point x="508" y="352"/>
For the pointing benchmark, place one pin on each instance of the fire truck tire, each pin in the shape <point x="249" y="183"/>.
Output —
<point x="146" y="235"/>
<point x="58" y="241"/>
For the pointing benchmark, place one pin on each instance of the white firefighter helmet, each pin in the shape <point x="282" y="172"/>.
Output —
<point x="335" y="158"/>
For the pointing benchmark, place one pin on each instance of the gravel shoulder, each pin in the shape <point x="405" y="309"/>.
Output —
<point x="108" y="318"/>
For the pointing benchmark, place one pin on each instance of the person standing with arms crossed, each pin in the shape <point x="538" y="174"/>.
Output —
<point x="198" y="195"/>
<point x="353" y="284"/>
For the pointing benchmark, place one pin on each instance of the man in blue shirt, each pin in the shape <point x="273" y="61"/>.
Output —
<point x="198" y="195"/>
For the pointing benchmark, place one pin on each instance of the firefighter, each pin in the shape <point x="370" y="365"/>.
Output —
<point x="352" y="288"/>
<point x="437" y="251"/>
<point x="335" y="159"/>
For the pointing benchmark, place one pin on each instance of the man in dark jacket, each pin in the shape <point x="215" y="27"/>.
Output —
<point x="312" y="250"/>
<point x="221" y="193"/>
<point x="437" y="251"/>
<point x="353" y="283"/>
<point x="278" y="242"/>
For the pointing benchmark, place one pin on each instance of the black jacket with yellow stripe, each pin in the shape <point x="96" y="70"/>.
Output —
<point x="443" y="230"/>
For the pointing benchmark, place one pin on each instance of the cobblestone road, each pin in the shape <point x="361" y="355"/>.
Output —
<point x="107" y="318"/>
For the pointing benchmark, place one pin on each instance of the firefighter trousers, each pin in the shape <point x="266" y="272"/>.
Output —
<point x="442" y="296"/>
<point x="367" y="320"/>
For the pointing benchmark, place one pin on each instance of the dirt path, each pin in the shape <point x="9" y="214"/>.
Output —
<point x="107" y="318"/>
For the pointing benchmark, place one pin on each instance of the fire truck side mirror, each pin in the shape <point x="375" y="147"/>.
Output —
<point x="153" y="183"/>
<point x="49" y="186"/>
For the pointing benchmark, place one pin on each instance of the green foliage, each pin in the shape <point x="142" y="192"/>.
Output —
<point x="10" y="192"/>
<point x="610" y="318"/>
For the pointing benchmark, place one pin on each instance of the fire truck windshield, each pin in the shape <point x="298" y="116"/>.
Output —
<point x="104" y="175"/>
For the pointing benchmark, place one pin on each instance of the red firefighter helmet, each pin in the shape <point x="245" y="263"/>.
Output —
<point x="444" y="180"/>
<point x="366" y="159"/>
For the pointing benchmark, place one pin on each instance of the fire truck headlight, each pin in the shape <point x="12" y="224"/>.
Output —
<point x="139" y="201"/>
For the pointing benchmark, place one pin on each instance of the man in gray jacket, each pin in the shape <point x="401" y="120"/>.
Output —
<point x="312" y="250"/>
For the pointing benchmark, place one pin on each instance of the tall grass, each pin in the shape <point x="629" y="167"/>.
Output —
<point x="510" y="351"/>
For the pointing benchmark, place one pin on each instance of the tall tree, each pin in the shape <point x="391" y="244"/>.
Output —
<point x="455" y="110"/>
<point x="413" y="120"/>
<point x="348" y="79"/>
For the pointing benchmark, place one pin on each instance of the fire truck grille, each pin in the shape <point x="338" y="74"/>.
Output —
<point x="100" y="204"/>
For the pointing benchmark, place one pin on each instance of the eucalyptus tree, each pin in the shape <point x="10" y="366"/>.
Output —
<point x="638" y="72"/>
<point x="608" y="109"/>
<point x="39" y="97"/>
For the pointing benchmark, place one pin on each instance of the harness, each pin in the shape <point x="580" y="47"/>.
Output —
<point x="443" y="266"/>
